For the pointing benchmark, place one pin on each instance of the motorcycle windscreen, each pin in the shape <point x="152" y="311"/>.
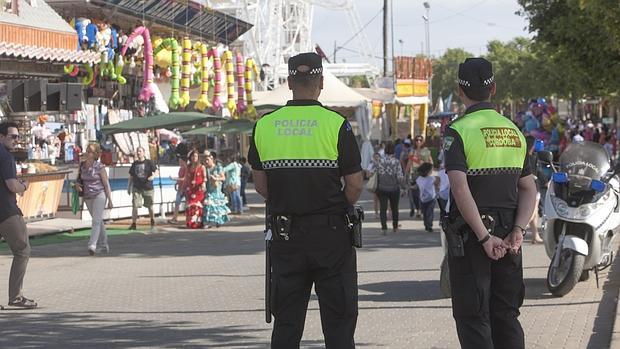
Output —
<point x="584" y="162"/>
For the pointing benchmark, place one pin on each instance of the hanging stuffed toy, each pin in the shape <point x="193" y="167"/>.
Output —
<point x="230" y="82"/>
<point x="118" y="70"/>
<point x="172" y="45"/>
<point x="203" y="101"/>
<point x="251" y="73"/>
<point x="90" y="75"/>
<point x="147" y="89"/>
<point x="217" y="88"/>
<point x="91" y="34"/>
<point x="71" y="69"/>
<point x="241" y="106"/>
<point x="80" y="28"/>
<point x="185" y="72"/>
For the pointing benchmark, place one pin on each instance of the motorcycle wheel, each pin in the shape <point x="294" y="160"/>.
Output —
<point x="561" y="280"/>
<point x="444" y="278"/>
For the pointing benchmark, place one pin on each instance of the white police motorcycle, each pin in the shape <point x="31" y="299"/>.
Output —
<point x="582" y="210"/>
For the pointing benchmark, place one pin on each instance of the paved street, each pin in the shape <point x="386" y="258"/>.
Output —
<point x="204" y="289"/>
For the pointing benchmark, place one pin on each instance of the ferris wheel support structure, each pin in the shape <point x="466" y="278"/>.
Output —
<point x="283" y="28"/>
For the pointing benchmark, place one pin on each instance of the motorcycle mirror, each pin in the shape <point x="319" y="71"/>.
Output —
<point x="597" y="186"/>
<point x="545" y="155"/>
<point x="560" y="177"/>
<point x="539" y="145"/>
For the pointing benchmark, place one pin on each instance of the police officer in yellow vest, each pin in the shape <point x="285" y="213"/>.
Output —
<point x="492" y="199"/>
<point x="299" y="154"/>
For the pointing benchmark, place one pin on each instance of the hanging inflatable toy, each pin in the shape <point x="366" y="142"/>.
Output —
<point x="230" y="82"/>
<point x="90" y="75"/>
<point x="241" y="105"/>
<point x="118" y="70"/>
<point x="203" y="101"/>
<point x="185" y="72"/>
<point x="71" y="70"/>
<point x="172" y="45"/>
<point x="250" y="68"/>
<point x="217" y="87"/>
<point x="147" y="89"/>
<point x="106" y="67"/>
<point x="196" y="64"/>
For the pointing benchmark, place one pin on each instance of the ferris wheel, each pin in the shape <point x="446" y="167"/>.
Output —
<point x="283" y="28"/>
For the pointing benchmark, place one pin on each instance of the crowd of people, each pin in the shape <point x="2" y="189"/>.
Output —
<point x="406" y="168"/>
<point x="211" y="190"/>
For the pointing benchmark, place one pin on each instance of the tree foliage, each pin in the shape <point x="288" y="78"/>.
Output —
<point x="584" y="36"/>
<point x="445" y="71"/>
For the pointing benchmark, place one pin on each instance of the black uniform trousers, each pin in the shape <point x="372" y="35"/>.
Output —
<point x="318" y="252"/>
<point x="487" y="294"/>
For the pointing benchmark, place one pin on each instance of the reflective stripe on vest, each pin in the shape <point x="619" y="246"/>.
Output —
<point x="298" y="137"/>
<point x="492" y="143"/>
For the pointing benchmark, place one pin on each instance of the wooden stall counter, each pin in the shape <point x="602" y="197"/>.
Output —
<point x="42" y="198"/>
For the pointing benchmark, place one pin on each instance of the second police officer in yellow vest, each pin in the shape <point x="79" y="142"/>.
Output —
<point x="299" y="155"/>
<point x="492" y="199"/>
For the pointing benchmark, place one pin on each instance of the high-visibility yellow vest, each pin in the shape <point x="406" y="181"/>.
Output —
<point x="492" y="143"/>
<point x="298" y="137"/>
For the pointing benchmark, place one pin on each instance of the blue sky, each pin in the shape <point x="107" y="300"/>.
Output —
<point x="467" y="24"/>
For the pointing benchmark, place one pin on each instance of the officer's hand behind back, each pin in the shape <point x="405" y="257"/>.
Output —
<point x="495" y="248"/>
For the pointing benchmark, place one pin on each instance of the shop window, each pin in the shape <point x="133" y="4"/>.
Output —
<point x="8" y="6"/>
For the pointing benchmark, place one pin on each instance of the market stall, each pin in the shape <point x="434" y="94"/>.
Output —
<point x="42" y="198"/>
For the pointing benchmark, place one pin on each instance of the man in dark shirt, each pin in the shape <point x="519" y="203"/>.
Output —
<point x="245" y="176"/>
<point x="12" y="226"/>
<point x="140" y="185"/>
<point x="299" y="155"/>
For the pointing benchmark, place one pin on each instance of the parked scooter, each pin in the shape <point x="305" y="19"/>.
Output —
<point x="582" y="210"/>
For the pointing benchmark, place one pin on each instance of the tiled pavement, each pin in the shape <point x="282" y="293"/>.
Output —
<point x="204" y="289"/>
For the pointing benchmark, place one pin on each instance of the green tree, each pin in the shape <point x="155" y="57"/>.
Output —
<point x="584" y="36"/>
<point x="445" y="72"/>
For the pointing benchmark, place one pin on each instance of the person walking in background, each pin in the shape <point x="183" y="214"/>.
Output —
<point x="426" y="186"/>
<point x="539" y="178"/>
<point x="180" y="184"/>
<point x="389" y="182"/>
<point x="94" y="185"/>
<point x="12" y="226"/>
<point x="195" y="188"/>
<point x="232" y="184"/>
<point x="246" y="172"/>
<point x="418" y="155"/>
<point x="215" y="208"/>
<point x="372" y="165"/>
<point x="140" y="186"/>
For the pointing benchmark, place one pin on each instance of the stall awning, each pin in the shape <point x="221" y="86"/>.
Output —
<point x="170" y="120"/>
<point x="181" y="16"/>
<point x="47" y="54"/>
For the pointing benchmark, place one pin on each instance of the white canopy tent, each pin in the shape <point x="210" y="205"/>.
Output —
<point x="335" y="93"/>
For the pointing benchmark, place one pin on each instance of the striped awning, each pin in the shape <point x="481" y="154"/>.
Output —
<point x="47" y="54"/>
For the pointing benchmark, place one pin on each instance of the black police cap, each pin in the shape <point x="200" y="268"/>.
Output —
<point x="475" y="73"/>
<point x="308" y="63"/>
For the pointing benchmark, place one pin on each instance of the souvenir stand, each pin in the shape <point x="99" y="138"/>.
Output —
<point x="35" y="95"/>
<point x="156" y="57"/>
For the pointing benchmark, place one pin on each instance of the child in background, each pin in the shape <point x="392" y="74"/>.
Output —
<point x="426" y="185"/>
<point x="444" y="191"/>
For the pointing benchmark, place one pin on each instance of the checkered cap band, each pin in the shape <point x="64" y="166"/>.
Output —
<point x="495" y="171"/>
<point x="314" y="71"/>
<point x="485" y="82"/>
<point x="305" y="163"/>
